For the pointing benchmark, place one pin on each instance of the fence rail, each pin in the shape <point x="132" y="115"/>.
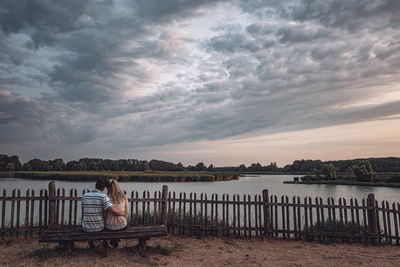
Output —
<point x="366" y="221"/>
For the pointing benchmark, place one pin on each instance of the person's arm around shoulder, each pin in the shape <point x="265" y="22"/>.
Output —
<point x="107" y="206"/>
<point x="116" y="211"/>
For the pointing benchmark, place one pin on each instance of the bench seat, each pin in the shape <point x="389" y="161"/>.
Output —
<point x="68" y="234"/>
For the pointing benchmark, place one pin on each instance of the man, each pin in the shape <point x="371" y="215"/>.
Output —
<point x="94" y="204"/>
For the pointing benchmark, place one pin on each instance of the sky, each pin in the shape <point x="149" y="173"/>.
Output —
<point x="221" y="82"/>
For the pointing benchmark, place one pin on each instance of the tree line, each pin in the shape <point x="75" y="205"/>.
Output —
<point x="13" y="163"/>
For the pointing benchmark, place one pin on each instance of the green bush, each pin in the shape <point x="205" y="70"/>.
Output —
<point x="333" y="230"/>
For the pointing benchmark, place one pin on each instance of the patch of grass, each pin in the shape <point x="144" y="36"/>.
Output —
<point x="157" y="249"/>
<point x="45" y="253"/>
<point x="163" y="250"/>
<point x="229" y="242"/>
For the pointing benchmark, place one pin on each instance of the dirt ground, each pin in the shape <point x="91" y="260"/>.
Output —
<point x="176" y="250"/>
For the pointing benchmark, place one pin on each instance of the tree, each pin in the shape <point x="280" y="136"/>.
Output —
<point x="37" y="165"/>
<point x="329" y="171"/>
<point x="10" y="167"/>
<point x="72" y="165"/>
<point x="350" y="173"/>
<point x="147" y="167"/>
<point x="57" y="164"/>
<point x="364" y="172"/>
<point x="242" y="168"/>
<point x="5" y="160"/>
<point x="200" y="167"/>
<point x="210" y="168"/>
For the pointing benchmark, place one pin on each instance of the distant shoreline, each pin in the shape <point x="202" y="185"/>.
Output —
<point x="122" y="176"/>
<point x="342" y="182"/>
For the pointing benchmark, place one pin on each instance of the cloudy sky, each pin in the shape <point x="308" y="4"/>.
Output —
<point x="223" y="82"/>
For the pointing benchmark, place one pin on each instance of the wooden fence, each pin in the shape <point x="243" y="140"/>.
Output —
<point x="366" y="221"/>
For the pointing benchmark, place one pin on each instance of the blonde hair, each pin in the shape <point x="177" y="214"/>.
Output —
<point x="114" y="192"/>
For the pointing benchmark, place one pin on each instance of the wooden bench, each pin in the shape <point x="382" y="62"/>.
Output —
<point x="67" y="235"/>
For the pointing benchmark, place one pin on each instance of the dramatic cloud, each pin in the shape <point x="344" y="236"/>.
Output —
<point x="126" y="76"/>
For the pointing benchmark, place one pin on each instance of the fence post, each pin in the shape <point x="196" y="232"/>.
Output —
<point x="372" y="218"/>
<point x="52" y="203"/>
<point x="267" y="219"/>
<point x="164" y="205"/>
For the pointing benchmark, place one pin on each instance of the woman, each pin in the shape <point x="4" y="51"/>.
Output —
<point x="120" y="201"/>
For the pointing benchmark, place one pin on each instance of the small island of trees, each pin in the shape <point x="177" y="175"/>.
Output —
<point x="361" y="174"/>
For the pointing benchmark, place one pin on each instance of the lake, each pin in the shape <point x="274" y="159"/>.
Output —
<point x="245" y="185"/>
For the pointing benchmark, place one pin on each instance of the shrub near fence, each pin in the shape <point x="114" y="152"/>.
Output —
<point x="369" y="221"/>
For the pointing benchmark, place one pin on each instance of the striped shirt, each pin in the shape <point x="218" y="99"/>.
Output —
<point x="94" y="203"/>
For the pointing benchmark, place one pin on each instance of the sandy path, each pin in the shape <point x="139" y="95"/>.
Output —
<point x="209" y="251"/>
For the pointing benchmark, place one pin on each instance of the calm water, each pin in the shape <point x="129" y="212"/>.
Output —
<point x="245" y="185"/>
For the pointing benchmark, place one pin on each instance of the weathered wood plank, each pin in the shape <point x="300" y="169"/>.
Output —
<point x="76" y="234"/>
<point x="71" y="194"/>
<point x="223" y="213"/>
<point x="294" y="218"/>
<point x="318" y="216"/>
<point x="216" y="213"/>
<point x="136" y="208"/>
<point x="299" y="217"/>
<point x="310" y="212"/>
<point x="322" y="217"/>
<point x="364" y="213"/>
<point x="12" y="210"/>
<point x="234" y="214"/>
<point x="227" y="213"/>
<point x="238" y="215"/>
<point x="388" y="222"/>
<point x="26" y="210"/>
<point x="41" y="208"/>
<point x="18" y="211"/>
<point x="249" y="214"/>
<point x="32" y="211"/>
<point x="184" y="213"/>
<point x="190" y="212"/>
<point x="306" y="216"/>
<point x="385" y="232"/>
<point x="358" y="226"/>
<point x="75" y="207"/>
<point x="341" y="227"/>
<point x="396" y="225"/>
<point x="287" y="217"/>
<point x="174" y="213"/>
<point x="3" y="212"/>
<point x="62" y="207"/>
<point x="353" y="223"/>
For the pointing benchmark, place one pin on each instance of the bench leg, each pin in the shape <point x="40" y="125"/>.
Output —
<point x="142" y="243"/>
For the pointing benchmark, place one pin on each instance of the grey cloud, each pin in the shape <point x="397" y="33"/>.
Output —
<point x="351" y="15"/>
<point x="164" y="11"/>
<point x="43" y="19"/>
<point x="300" y="33"/>
<point x="261" y="28"/>
<point x="10" y="52"/>
<point x="17" y="114"/>
<point x="235" y="39"/>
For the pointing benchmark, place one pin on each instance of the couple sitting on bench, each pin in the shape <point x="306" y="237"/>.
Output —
<point x="101" y="211"/>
